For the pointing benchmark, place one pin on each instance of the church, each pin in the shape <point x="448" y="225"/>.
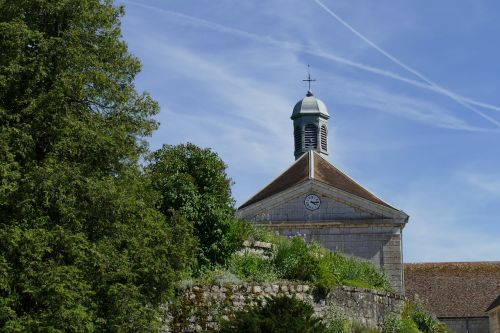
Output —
<point x="316" y="200"/>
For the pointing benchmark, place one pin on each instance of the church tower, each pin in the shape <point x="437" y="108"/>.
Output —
<point x="310" y="126"/>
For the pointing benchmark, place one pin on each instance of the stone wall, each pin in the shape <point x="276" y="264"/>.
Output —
<point x="200" y="307"/>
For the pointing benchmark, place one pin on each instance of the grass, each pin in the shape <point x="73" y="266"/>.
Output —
<point x="294" y="259"/>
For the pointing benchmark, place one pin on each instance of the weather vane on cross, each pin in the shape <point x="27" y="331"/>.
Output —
<point x="309" y="80"/>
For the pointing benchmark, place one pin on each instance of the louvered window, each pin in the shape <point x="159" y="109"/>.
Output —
<point x="324" y="137"/>
<point x="311" y="136"/>
<point x="297" y="134"/>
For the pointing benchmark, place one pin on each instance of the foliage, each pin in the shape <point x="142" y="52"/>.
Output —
<point x="279" y="314"/>
<point x="400" y="325"/>
<point x="217" y="275"/>
<point x="296" y="259"/>
<point x="193" y="181"/>
<point x="252" y="267"/>
<point x="414" y="319"/>
<point x="263" y="234"/>
<point x="337" y="323"/>
<point x="424" y="321"/>
<point x="359" y="273"/>
<point x="82" y="245"/>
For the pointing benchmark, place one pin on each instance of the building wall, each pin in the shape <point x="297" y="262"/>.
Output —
<point x="381" y="245"/>
<point x="468" y="324"/>
<point x="495" y="320"/>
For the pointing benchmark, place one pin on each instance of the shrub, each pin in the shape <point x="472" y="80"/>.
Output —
<point x="358" y="273"/>
<point x="252" y="267"/>
<point x="280" y="314"/>
<point x="399" y="325"/>
<point x="297" y="260"/>
<point x="264" y="235"/>
<point x="424" y="321"/>
<point x="336" y="323"/>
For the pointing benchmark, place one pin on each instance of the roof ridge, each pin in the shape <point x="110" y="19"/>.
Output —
<point x="252" y="199"/>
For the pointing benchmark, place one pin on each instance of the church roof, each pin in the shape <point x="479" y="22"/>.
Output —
<point x="454" y="289"/>
<point x="322" y="171"/>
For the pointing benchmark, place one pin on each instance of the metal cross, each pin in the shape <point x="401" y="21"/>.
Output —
<point x="309" y="80"/>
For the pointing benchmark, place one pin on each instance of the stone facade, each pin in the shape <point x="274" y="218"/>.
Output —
<point x="201" y="306"/>
<point x="344" y="222"/>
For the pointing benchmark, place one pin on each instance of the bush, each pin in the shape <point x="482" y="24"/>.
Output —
<point x="336" y="323"/>
<point x="399" y="325"/>
<point x="263" y="234"/>
<point x="252" y="267"/>
<point x="415" y="319"/>
<point x="279" y="315"/>
<point x="360" y="273"/>
<point x="297" y="260"/>
<point x="424" y="321"/>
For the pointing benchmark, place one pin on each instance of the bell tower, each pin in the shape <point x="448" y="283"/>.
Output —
<point x="310" y="124"/>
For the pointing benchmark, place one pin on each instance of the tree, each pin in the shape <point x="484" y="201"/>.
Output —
<point x="194" y="182"/>
<point x="82" y="246"/>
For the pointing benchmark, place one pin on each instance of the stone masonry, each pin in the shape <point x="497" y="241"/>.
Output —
<point x="200" y="307"/>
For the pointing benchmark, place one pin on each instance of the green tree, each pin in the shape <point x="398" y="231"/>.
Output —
<point x="193" y="181"/>
<point x="82" y="246"/>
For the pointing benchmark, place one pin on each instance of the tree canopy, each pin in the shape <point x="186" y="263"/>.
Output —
<point x="82" y="244"/>
<point x="194" y="182"/>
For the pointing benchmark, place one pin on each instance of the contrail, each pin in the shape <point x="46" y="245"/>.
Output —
<point x="457" y="98"/>
<point x="302" y="48"/>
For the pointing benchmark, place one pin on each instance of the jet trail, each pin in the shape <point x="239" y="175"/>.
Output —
<point x="457" y="98"/>
<point x="188" y="19"/>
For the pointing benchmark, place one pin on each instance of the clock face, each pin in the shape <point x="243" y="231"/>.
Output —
<point x="312" y="202"/>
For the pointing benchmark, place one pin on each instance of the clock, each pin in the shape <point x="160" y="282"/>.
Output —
<point x="312" y="202"/>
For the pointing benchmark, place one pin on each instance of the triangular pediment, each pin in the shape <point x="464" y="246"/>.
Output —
<point x="335" y="204"/>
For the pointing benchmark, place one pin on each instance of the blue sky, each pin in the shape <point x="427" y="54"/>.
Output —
<point x="418" y="125"/>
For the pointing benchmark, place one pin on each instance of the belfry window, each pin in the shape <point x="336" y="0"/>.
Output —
<point x="311" y="136"/>
<point x="324" y="137"/>
<point x="297" y="134"/>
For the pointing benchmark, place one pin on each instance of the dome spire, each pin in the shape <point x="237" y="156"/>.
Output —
<point x="309" y="80"/>
<point x="310" y="123"/>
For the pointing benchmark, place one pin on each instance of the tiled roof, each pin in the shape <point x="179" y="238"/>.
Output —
<point x="323" y="172"/>
<point x="327" y="173"/>
<point x="454" y="289"/>
<point x="295" y="174"/>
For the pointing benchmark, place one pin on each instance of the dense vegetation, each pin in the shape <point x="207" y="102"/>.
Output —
<point x="193" y="182"/>
<point x="294" y="259"/>
<point x="83" y="246"/>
